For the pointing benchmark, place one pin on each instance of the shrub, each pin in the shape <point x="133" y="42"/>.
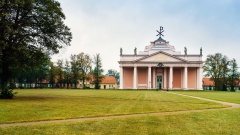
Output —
<point x="7" y="94"/>
<point x="12" y="86"/>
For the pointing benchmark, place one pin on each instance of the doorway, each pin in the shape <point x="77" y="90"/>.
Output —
<point x="159" y="82"/>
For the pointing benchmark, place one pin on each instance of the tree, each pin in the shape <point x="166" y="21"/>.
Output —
<point x="41" y="72"/>
<point x="29" y="28"/>
<point x="67" y="73"/>
<point x="60" y="72"/>
<point x="74" y="70"/>
<point x="216" y="67"/>
<point x="224" y="72"/>
<point x="114" y="73"/>
<point x="84" y="62"/>
<point x="233" y="74"/>
<point x="52" y="74"/>
<point x="98" y="71"/>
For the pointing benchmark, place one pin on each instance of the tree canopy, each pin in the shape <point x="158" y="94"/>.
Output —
<point x="29" y="29"/>
<point x="222" y="71"/>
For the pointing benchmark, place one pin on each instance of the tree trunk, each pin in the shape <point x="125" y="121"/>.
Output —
<point x="5" y="94"/>
<point x="4" y="78"/>
<point x="67" y="83"/>
<point x="83" y="83"/>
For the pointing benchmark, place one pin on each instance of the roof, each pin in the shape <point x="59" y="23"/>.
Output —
<point x="109" y="80"/>
<point x="208" y="82"/>
<point x="160" y="39"/>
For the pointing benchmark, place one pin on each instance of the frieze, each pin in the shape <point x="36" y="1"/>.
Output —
<point x="155" y="65"/>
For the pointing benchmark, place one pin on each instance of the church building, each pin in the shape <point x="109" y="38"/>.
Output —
<point x="159" y="66"/>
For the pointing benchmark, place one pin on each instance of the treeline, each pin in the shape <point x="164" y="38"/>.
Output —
<point x="222" y="71"/>
<point x="62" y="73"/>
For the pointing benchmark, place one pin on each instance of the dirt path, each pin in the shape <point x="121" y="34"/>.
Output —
<point x="232" y="105"/>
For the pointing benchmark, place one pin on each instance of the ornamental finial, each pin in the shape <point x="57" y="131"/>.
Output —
<point x="160" y="32"/>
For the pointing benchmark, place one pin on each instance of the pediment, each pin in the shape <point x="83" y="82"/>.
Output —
<point x="161" y="57"/>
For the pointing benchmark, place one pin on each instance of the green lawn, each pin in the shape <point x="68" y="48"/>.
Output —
<point x="48" y="104"/>
<point x="223" y="122"/>
<point x="233" y="97"/>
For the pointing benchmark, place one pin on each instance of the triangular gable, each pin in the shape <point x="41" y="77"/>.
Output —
<point x="160" y="57"/>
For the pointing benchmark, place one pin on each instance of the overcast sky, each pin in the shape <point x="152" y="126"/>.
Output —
<point x="104" y="26"/>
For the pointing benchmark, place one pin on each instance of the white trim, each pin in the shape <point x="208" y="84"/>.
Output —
<point x="154" y="75"/>
<point x="149" y="78"/>
<point x="185" y="78"/>
<point x="121" y="77"/>
<point x="135" y="77"/>
<point x="170" y="78"/>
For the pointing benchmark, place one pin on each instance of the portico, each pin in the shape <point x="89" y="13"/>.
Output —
<point x="159" y="66"/>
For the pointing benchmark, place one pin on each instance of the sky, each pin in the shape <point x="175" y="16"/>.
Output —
<point x="105" y="26"/>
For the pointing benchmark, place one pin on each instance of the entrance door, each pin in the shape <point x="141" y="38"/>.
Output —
<point x="159" y="82"/>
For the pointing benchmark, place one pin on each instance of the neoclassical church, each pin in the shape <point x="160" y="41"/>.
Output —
<point x="159" y="66"/>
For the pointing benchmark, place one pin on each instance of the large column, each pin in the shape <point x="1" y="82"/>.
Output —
<point x="170" y="77"/>
<point x="185" y="78"/>
<point x="149" y="78"/>
<point x="154" y="78"/>
<point x="199" y="78"/>
<point x="121" y="77"/>
<point x="135" y="78"/>
<point x="165" y="78"/>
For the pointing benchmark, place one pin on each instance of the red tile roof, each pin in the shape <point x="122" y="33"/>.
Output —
<point x="109" y="80"/>
<point x="208" y="82"/>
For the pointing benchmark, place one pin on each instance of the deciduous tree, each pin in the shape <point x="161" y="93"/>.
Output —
<point x="115" y="73"/>
<point x="233" y="74"/>
<point x="84" y="62"/>
<point x="222" y="71"/>
<point x="28" y="29"/>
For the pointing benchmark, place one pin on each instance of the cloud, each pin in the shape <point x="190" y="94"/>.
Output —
<point x="103" y="26"/>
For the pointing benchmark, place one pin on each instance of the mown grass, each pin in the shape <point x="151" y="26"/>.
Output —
<point x="36" y="105"/>
<point x="233" y="97"/>
<point x="221" y="122"/>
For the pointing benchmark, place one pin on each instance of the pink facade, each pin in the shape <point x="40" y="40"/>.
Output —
<point x="177" y="78"/>
<point x="159" y="66"/>
<point x="192" y="78"/>
<point x="142" y="79"/>
<point x="128" y="81"/>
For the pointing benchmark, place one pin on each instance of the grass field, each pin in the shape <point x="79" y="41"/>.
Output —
<point x="35" y="105"/>
<point x="233" y="97"/>
<point x="224" y="122"/>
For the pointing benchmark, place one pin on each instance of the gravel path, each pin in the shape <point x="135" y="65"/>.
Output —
<point x="231" y="106"/>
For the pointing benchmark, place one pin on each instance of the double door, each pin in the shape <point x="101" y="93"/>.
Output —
<point x="159" y="82"/>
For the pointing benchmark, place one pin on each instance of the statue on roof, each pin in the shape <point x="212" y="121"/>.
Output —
<point x="185" y="50"/>
<point x="135" y="51"/>
<point x="160" y="32"/>
<point x="121" y="51"/>
<point x="201" y="51"/>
